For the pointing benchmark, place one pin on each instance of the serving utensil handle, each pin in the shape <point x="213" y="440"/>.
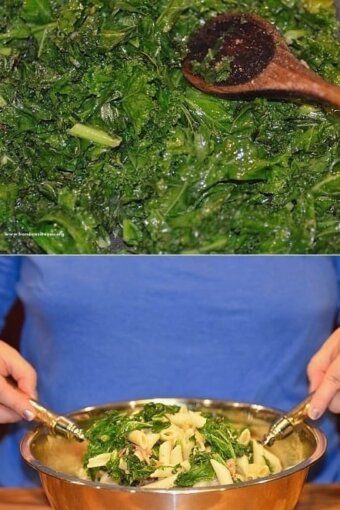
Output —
<point x="300" y="412"/>
<point x="58" y="424"/>
<point x="286" y="424"/>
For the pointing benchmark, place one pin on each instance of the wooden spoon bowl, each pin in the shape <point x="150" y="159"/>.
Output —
<point x="261" y="63"/>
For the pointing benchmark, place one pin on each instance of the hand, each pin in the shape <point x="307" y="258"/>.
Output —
<point x="324" y="377"/>
<point x="14" y="404"/>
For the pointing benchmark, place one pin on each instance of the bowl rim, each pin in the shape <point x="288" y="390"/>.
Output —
<point x="27" y="440"/>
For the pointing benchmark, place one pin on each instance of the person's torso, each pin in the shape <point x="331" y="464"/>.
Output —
<point x="235" y="328"/>
<point x="225" y="327"/>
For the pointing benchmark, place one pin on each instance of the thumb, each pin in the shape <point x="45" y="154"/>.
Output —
<point x="15" y="400"/>
<point x="18" y="381"/>
<point x="327" y="393"/>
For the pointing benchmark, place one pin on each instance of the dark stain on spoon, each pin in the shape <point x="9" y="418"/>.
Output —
<point x="249" y="48"/>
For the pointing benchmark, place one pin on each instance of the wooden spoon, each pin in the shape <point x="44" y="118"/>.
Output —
<point x="261" y="63"/>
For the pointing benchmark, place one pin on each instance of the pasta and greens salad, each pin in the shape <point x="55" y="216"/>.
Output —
<point x="164" y="446"/>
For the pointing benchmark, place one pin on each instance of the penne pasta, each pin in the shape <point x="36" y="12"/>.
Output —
<point x="152" y="439"/>
<point x="258" y="453"/>
<point x="162" y="483"/>
<point x="176" y="455"/>
<point x="172" y="433"/>
<point x="182" y="420"/>
<point x="176" y="446"/>
<point x="99" y="460"/>
<point x="188" y="419"/>
<point x="274" y="461"/>
<point x="139" y="438"/>
<point x="244" y="437"/>
<point x="222" y="473"/>
<point x="186" y="465"/>
<point x="210" y="483"/>
<point x="123" y="464"/>
<point x="257" y="471"/>
<point x="197" y="419"/>
<point x="242" y="464"/>
<point x="164" y="453"/>
<point x="183" y="409"/>
<point x="162" y="472"/>
<point x="187" y="446"/>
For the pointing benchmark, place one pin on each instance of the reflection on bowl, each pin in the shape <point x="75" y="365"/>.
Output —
<point x="59" y="460"/>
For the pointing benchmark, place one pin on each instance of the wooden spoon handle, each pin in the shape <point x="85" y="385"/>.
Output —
<point x="328" y="93"/>
<point x="301" y="81"/>
<point x="318" y="89"/>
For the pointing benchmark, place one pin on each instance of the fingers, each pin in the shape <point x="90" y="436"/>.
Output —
<point x="334" y="406"/>
<point x="327" y="394"/>
<point x="316" y="371"/>
<point x="8" y="416"/>
<point x="320" y="362"/>
<point x="14" y="365"/>
<point x="324" y="375"/>
<point x="14" y="401"/>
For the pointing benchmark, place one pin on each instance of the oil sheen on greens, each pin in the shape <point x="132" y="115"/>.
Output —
<point x="105" y="148"/>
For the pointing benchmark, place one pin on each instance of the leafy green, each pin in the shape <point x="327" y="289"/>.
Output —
<point x="137" y="470"/>
<point x="221" y="436"/>
<point x="182" y="171"/>
<point x="201" y="470"/>
<point x="36" y="11"/>
<point x="212" y="68"/>
<point x="109" y="434"/>
<point x="110" y="431"/>
<point x="156" y="411"/>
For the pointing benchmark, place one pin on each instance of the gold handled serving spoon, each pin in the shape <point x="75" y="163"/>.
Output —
<point x="57" y="424"/>
<point x="286" y="424"/>
<point x="241" y="54"/>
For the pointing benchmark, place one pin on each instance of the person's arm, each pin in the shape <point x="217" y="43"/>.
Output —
<point x="324" y="370"/>
<point x="14" y="405"/>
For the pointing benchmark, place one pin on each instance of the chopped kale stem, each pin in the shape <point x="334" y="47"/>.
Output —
<point x="104" y="146"/>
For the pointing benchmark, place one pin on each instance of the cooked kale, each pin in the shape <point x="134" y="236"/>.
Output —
<point x="105" y="147"/>
<point x="222" y="437"/>
<point x="154" y="414"/>
<point x="201" y="470"/>
<point x="109" y="433"/>
<point x="212" y="68"/>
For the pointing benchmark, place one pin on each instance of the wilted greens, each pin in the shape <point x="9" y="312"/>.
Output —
<point x="128" y="448"/>
<point x="212" y="70"/>
<point x="104" y="147"/>
<point x="109" y="433"/>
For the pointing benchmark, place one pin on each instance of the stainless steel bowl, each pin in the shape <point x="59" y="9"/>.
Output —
<point x="58" y="461"/>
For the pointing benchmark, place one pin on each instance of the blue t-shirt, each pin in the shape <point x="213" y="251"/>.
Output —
<point x="102" y="329"/>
